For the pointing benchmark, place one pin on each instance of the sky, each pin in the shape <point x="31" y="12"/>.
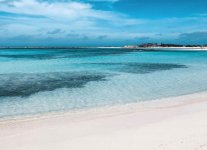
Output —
<point x="102" y="22"/>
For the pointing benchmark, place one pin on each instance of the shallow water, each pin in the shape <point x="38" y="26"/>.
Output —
<point x="34" y="81"/>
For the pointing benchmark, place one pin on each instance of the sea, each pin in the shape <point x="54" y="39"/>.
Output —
<point x="39" y="81"/>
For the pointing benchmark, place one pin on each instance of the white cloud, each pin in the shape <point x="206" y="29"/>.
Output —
<point x="65" y="15"/>
<point x="81" y="18"/>
<point x="104" y="0"/>
<point x="70" y="10"/>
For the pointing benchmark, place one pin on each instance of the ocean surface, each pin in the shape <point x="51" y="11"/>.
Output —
<point x="35" y="81"/>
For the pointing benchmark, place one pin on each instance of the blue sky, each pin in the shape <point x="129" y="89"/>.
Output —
<point x="101" y="22"/>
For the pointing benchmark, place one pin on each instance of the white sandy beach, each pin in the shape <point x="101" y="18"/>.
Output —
<point x="177" y="123"/>
<point x="183" y="48"/>
<point x="177" y="48"/>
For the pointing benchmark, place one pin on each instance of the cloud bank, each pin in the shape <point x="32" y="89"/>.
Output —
<point x="67" y="20"/>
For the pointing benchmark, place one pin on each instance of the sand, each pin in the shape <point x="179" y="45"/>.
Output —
<point x="177" y="48"/>
<point x="178" y="123"/>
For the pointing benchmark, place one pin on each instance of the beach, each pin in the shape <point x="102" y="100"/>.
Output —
<point x="176" y="123"/>
<point x="103" y="75"/>
<point x="175" y="48"/>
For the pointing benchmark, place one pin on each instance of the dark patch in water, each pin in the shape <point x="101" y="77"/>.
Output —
<point x="148" y="68"/>
<point x="27" y="84"/>
<point x="139" y="68"/>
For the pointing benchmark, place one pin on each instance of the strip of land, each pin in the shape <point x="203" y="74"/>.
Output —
<point x="177" y="123"/>
<point x="176" y="48"/>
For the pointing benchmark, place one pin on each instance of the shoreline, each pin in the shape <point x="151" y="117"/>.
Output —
<point x="161" y="102"/>
<point x="175" y="48"/>
<point x="157" y="48"/>
<point x="163" y="124"/>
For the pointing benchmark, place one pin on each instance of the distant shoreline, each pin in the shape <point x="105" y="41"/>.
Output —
<point x="174" y="48"/>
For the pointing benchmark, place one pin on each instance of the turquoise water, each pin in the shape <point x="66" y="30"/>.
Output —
<point x="34" y="81"/>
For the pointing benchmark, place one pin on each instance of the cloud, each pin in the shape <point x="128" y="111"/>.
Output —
<point x="29" y="16"/>
<point x="159" y="34"/>
<point x="28" y="40"/>
<point x="55" y="31"/>
<point x="195" y="37"/>
<point x="113" y="1"/>
<point x="82" y="20"/>
<point x="70" y="10"/>
<point x="73" y="35"/>
<point x="199" y="37"/>
<point x="66" y="11"/>
<point x="101" y="37"/>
